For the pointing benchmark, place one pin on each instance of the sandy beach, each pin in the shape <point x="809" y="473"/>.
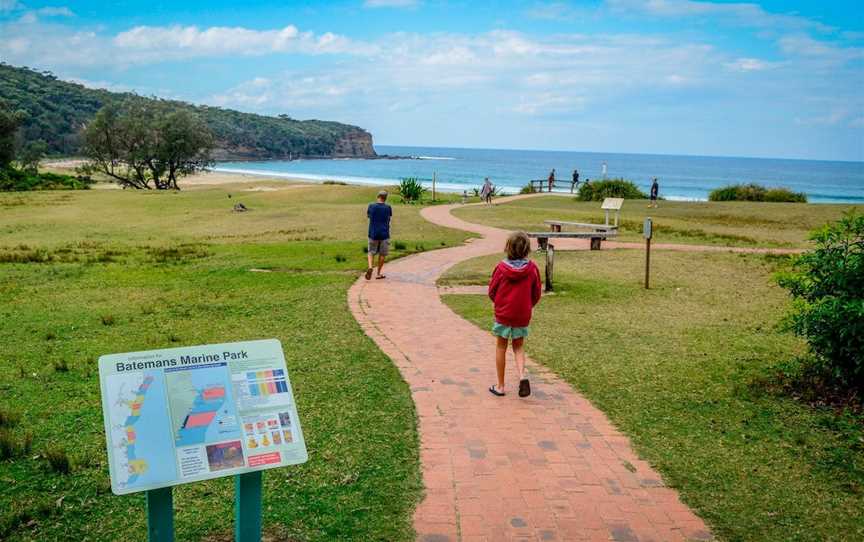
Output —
<point x="199" y="180"/>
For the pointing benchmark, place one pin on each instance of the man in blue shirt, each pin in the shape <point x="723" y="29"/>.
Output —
<point x="379" y="214"/>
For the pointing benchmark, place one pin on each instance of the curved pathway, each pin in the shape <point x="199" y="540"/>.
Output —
<point x="549" y="467"/>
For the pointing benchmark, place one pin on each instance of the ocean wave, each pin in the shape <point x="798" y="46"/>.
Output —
<point x="435" y="158"/>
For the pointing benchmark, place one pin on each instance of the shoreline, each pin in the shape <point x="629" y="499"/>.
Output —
<point x="218" y="175"/>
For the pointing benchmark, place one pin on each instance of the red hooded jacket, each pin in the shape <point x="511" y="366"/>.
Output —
<point x="514" y="290"/>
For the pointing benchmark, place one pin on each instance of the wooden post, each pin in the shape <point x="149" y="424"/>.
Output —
<point x="160" y="515"/>
<point x="647" y="260"/>
<point x="647" y="232"/>
<point x="550" y="265"/>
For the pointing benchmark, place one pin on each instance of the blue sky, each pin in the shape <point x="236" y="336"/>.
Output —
<point x="776" y="79"/>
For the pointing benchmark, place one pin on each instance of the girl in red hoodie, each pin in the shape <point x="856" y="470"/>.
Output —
<point x="514" y="289"/>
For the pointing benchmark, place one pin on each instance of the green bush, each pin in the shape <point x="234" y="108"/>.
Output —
<point x="611" y="188"/>
<point x="827" y="285"/>
<point x="16" y="180"/>
<point x="756" y="192"/>
<point x="528" y="189"/>
<point x="411" y="190"/>
<point x="785" y="195"/>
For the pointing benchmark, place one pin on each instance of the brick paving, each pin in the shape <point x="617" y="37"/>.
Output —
<point x="550" y="467"/>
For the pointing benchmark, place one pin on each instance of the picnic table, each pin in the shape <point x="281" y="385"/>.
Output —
<point x="595" y="232"/>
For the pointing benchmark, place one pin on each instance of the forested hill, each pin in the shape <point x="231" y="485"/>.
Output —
<point x="57" y="110"/>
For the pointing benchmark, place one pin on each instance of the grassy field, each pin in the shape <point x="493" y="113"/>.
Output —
<point x="681" y="369"/>
<point x="93" y="272"/>
<point x="715" y="223"/>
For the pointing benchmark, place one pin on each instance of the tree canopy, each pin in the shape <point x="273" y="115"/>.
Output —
<point x="139" y="142"/>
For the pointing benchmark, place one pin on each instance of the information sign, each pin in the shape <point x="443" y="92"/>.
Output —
<point x="646" y="228"/>
<point x="183" y="415"/>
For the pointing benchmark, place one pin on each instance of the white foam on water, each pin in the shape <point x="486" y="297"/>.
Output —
<point x="453" y="187"/>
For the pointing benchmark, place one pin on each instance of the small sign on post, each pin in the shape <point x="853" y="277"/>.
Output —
<point x="183" y="415"/>
<point x="647" y="233"/>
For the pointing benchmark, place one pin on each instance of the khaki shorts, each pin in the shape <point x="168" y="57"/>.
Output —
<point x="381" y="247"/>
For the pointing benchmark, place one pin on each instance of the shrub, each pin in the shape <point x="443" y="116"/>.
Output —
<point x="12" y="446"/>
<point x="399" y="245"/>
<point x="15" y="180"/>
<point x="785" y="195"/>
<point x="58" y="460"/>
<point x="756" y="192"/>
<point x="611" y="188"/>
<point x="528" y="189"/>
<point x="827" y="285"/>
<point x="411" y="190"/>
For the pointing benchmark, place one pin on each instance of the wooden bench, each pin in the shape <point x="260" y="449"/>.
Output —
<point x="595" y="236"/>
<point x="597" y="233"/>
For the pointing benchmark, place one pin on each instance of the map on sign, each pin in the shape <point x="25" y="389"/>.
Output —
<point x="188" y="414"/>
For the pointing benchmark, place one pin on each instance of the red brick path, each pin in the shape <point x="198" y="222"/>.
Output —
<point x="549" y="467"/>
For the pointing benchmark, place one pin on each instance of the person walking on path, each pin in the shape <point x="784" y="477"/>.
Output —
<point x="514" y="290"/>
<point x="655" y="189"/>
<point x="575" y="180"/>
<point x="379" y="214"/>
<point x="486" y="191"/>
<point x="551" y="179"/>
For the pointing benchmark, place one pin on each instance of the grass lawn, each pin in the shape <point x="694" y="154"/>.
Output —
<point x="715" y="223"/>
<point x="93" y="272"/>
<point x="681" y="369"/>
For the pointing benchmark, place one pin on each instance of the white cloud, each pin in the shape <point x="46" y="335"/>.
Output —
<point x="55" y="11"/>
<point x="553" y="11"/>
<point x="749" y="65"/>
<point x="805" y="46"/>
<point x="390" y="3"/>
<point x="10" y="5"/>
<point x="190" y="41"/>
<point x="743" y="13"/>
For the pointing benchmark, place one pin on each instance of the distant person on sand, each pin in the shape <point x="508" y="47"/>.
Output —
<point x="486" y="191"/>
<point x="655" y="188"/>
<point x="575" y="180"/>
<point x="551" y="179"/>
<point x="379" y="214"/>
<point x="514" y="290"/>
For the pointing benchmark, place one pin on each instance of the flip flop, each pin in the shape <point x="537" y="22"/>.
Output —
<point x="379" y="277"/>
<point x="494" y="391"/>
<point x="524" y="388"/>
<point x="369" y="273"/>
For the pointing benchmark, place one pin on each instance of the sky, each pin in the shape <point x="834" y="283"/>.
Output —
<point x="770" y="79"/>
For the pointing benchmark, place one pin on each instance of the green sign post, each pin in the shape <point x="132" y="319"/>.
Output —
<point x="184" y="415"/>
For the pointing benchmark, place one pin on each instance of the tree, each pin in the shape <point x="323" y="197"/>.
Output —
<point x="183" y="146"/>
<point x="9" y="122"/>
<point x="31" y="155"/>
<point x="138" y="141"/>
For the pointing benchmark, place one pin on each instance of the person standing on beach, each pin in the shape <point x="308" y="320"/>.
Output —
<point x="575" y="180"/>
<point x="655" y="189"/>
<point x="551" y="179"/>
<point x="379" y="214"/>
<point x="603" y="170"/>
<point x="514" y="290"/>
<point x="486" y="191"/>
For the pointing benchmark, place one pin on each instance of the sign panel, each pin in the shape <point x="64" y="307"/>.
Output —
<point x="183" y="415"/>
<point x="646" y="228"/>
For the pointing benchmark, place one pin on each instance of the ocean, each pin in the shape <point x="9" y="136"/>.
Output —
<point x="680" y="177"/>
